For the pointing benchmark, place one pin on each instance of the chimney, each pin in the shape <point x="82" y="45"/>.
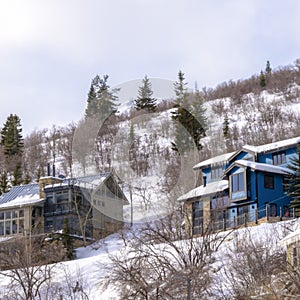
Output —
<point x="53" y="170"/>
<point x="48" y="169"/>
<point x="204" y="181"/>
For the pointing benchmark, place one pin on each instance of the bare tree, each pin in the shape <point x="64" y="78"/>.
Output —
<point x="65" y="146"/>
<point x="163" y="262"/>
<point x="25" y="261"/>
<point x="251" y="266"/>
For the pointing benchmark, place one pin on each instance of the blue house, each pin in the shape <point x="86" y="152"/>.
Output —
<point x="255" y="177"/>
<point x="208" y="201"/>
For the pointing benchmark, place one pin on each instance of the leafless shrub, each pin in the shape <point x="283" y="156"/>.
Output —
<point x="162" y="262"/>
<point x="250" y="267"/>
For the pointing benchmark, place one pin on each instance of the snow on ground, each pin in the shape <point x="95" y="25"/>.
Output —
<point x="93" y="264"/>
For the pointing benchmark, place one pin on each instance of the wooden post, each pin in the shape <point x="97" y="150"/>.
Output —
<point x="280" y="213"/>
<point x="267" y="212"/>
<point x="294" y="212"/>
<point x="256" y="216"/>
<point x="245" y="219"/>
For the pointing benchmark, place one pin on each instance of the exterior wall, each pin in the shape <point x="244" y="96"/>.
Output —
<point x="267" y="158"/>
<point x="274" y="196"/>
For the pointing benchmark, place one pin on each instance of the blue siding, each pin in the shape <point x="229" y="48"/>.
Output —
<point x="271" y="196"/>
<point x="267" y="158"/>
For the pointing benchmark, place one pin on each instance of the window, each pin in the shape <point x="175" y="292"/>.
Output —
<point x="269" y="182"/>
<point x="279" y="158"/>
<point x="237" y="182"/>
<point x="197" y="217"/>
<point x="12" y="222"/>
<point x="216" y="171"/>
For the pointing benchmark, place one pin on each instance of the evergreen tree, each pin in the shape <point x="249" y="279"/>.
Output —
<point x="12" y="146"/>
<point x="145" y="100"/>
<point x="189" y="118"/>
<point x="3" y="182"/>
<point x="293" y="181"/>
<point x="198" y="110"/>
<point x="17" y="175"/>
<point x="67" y="240"/>
<point x="262" y="79"/>
<point x="102" y="99"/>
<point x="11" y="137"/>
<point x="268" y="68"/>
<point x="91" y="109"/>
<point x="226" y="126"/>
<point x="106" y="98"/>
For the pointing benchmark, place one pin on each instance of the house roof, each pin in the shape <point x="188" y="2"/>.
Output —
<point x="258" y="167"/>
<point x="216" y="159"/>
<point x="29" y="194"/>
<point x="272" y="146"/>
<point x="90" y="181"/>
<point x="21" y="195"/>
<point x="210" y="188"/>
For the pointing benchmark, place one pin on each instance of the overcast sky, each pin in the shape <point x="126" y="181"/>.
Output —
<point x="51" y="49"/>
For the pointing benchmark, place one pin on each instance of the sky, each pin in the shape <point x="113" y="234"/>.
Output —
<point x="51" y="49"/>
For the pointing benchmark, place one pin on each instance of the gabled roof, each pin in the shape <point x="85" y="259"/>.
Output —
<point x="210" y="188"/>
<point x="21" y="195"/>
<point x="280" y="145"/>
<point x="213" y="160"/>
<point x="258" y="167"/>
<point x="273" y="146"/>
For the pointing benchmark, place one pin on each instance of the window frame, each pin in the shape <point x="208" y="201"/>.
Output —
<point x="267" y="183"/>
<point x="238" y="182"/>
<point x="279" y="158"/>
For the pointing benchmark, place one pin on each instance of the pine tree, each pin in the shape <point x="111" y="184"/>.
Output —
<point x="268" y="68"/>
<point x="293" y="182"/>
<point x="189" y="118"/>
<point x="101" y="102"/>
<point x="67" y="240"/>
<point x="12" y="147"/>
<point x="91" y="109"/>
<point x="145" y="100"/>
<point x="226" y="126"/>
<point x="11" y="137"/>
<point x="3" y="182"/>
<point x="106" y="98"/>
<point x="262" y="79"/>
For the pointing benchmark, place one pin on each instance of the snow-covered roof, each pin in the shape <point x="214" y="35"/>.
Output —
<point x="210" y="188"/>
<point x="90" y="181"/>
<point x="213" y="160"/>
<point x="261" y="167"/>
<point x="272" y="146"/>
<point x="21" y="195"/>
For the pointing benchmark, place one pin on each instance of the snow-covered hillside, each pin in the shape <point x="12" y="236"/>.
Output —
<point x="92" y="269"/>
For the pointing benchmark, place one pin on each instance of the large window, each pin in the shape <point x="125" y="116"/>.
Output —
<point x="279" y="158"/>
<point x="237" y="182"/>
<point x="269" y="182"/>
<point x="197" y="217"/>
<point x="11" y="222"/>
